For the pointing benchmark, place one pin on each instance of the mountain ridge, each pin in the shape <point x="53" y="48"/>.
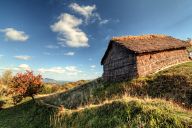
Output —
<point x="53" y="81"/>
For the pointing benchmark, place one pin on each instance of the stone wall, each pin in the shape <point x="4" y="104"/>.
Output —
<point x="119" y="65"/>
<point x="153" y="62"/>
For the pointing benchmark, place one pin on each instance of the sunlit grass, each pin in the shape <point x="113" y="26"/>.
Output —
<point x="159" y="100"/>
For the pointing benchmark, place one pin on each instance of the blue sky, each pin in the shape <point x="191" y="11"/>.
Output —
<point x="66" y="39"/>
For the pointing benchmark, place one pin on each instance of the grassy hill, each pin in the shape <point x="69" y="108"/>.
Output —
<point x="160" y="100"/>
<point x="173" y="84"/>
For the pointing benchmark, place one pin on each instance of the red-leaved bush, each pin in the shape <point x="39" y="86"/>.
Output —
<point x="26" y="84"/>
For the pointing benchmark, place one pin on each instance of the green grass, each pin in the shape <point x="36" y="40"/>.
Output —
<point x="122" y="113"/>
<point x="173" y="84"/>
<point x="151" y="102"/>
<point x="25" y="115"/>
<point x="129" y="113"/>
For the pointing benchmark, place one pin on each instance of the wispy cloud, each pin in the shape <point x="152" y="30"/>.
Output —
<point x="69" y="54"/>
<point x="52" y="46"/>
<point x="24" y="67"/>
<point x="52" y="70"/>
<point x="23" y="57"/>
<point x="19" y="68"/>
<point x="93" y="66"/>
<point x="10" y="68"/>
<point x="103" y="22"/>
<point x="69" y="32"/>
<point x="89" y="12"/>
<point x="72" y="70"/>
<point x="69" y="70"/>
<point x="12" y="34"/>
<point x="86" y="11"/>
<point x="61" y="44"/>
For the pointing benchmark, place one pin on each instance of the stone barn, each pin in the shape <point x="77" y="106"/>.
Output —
<point x="129" y="57"/>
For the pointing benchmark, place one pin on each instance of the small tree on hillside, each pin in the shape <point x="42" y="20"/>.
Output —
<point x="7" y="77"/>
<point x="26" y="84"/>
<point x="5" y="82"/>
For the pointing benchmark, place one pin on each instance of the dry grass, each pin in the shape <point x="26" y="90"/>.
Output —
<point x="125" y="112"/>
<point x="173" y="84"/>
<point x="160" y="100"/>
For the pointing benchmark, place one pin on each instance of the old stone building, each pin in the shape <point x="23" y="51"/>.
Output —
<point x="135" y="56"/>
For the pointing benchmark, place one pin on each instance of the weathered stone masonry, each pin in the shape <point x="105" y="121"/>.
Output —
<point x="153" y="62"/>
<point x="120" y="64"/>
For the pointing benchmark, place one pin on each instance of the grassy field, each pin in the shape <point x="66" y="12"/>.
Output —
<point x="125" y="113"/>
<point x="173" y="84"/>
<point x="25" y="115"/>
<point x="160" y="100"/>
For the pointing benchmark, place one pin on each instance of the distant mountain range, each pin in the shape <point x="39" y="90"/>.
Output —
<point x="52" y="81"/>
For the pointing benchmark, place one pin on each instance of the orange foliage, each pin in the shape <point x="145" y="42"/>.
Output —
<point x="26" y="84"/>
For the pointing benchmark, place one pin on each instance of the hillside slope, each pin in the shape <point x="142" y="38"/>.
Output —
<point x="121" y="113"/>
<point x="174" y="84"/>
<point x="26" y="115"/>
<point x="125" y="113"/>
<point x="160" y="100"/>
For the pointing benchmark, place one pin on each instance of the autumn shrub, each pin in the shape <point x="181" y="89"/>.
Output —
<point x="26" y="84"/>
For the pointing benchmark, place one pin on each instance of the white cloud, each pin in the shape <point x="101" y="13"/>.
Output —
<point x="22" y="57"/>
<point x="69" y="32"/>
<point x="67" y="73"/>
<point x="21" y="67"/>
<point x="62" y="44"/>
<point x="8" y="68"/>
<point x="69" y="70"/>
<point x="52" y="70"/>
<point x="72" y="70"/>
<point x="14" y="35"/>
<point x="69" y="54"/>
<point x="93" y="66"/>
<point x="86" y="11"/>
<point x="103" y="22"/>
<point x="52" y="46"/>
<point x="24" y="67"/>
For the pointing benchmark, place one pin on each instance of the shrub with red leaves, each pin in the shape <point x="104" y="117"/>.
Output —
<point x="26" y="84"/>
